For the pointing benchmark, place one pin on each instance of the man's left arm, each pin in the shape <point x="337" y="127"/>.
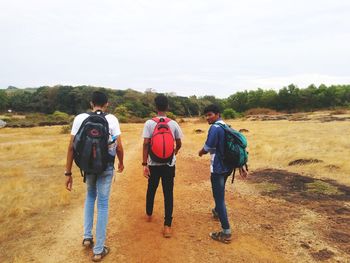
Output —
<point x="178" y="145"/>
<point x="178" y="136"/>
<point x="120" y="155"/>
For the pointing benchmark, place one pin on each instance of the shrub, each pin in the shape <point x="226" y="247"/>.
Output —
<point x="66" y="129"/>
<point x="230" y="114"/>
<point x="152" y="115"/>
<point x="258" y="111"/>
<point x="60" y="116"/>
<point x="339" y="112"/>
<point x="171" y="115"/>
<point x="123" y="119"/>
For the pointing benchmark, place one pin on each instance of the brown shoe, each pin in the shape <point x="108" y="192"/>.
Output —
<point x="167" y="232"/>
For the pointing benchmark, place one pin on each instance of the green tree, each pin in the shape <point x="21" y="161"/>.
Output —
<point x="3" y="100"/>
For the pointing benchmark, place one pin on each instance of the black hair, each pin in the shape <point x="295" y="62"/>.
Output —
<point x="99" y="98"/>
<point x="161" y="102"/>
<point x="211" y="108"/>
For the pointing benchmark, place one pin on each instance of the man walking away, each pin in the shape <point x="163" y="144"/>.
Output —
<point x="215" y="145"/>
<point x="95" y="140"/>
<point x="159" y="157"/>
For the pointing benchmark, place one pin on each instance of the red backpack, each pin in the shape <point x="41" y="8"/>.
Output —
<point x="162" y="142"/>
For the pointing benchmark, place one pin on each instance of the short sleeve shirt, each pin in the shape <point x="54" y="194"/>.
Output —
<point x="215" y="145"/>
<point x="148" y="131"/>
<point x="113" y="123"/>
<point x="114" y="129"/>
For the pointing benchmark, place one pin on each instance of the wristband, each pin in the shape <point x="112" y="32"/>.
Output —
<point x="67" y="173"/>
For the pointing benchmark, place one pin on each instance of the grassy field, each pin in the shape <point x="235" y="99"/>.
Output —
<point x="32" y="162"/>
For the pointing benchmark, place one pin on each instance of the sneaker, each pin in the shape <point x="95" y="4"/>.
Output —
<point x="167" y="232"/>
<point x="215" y="214"/>
<point x="221" y="237"/>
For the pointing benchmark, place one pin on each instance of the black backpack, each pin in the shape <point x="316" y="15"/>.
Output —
<point x="90" y="145"/>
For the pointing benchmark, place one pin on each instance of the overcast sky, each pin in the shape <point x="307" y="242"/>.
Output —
<point x="201" y="47"/>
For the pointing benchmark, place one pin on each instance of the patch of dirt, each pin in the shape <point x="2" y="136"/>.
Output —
<point x="297" y="117"/>
<point x="304" y="161"/>
<point x="333" y="118"/>
<point x="326" y="197"/>
<point x="323" y="254"/>
<point x="332" y="167"/>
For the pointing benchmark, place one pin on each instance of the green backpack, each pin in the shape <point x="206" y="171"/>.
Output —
<point x="235" y="153"/>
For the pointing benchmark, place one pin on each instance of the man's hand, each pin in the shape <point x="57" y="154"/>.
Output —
<point x="120" y="167"/>
<point x="243" y="173"/>
<point x="69" y="183"/>
<point x="201" y="152"/>
<point x="146" y="172"/>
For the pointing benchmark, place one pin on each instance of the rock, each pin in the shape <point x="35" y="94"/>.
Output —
<point x="304" y="245"/>
<point x="198" y="131"/>
<point x="266" y="226"/>
<point x="2" y="124"/>
<point x="304" y="161"/>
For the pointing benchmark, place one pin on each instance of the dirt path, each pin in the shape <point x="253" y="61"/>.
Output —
<point x="265" y="228"/>
<point x="133" y="240"/>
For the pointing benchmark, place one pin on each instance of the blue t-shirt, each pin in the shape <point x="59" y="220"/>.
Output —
<point x="215" y="145"/>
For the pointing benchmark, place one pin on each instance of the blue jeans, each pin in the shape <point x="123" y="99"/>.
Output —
<point x="218" y="182"/>
<point x="97" y="186"/>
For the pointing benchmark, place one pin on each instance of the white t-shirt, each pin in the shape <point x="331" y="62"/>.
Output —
<point x="113" y="123"/>
<point x="114" y="129"/>
<point x="148" y="131"/>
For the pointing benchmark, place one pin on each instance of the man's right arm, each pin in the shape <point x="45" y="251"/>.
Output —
<point x="210" y="143"/>
<point x="69" y="163"/>
<point x="146" y="142"/>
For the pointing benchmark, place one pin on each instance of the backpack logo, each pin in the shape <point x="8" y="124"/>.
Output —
<point x="90" y="145"/>
<point x="161" y="148"/>
<point x="235" y="153"/>
<point x="94" y="133"/>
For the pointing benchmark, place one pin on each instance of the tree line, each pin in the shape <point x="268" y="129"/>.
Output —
<point x="127" y="103"/>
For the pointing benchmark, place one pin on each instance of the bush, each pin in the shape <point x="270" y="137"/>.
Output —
<point x="171" y="115"/>
<point x="66" y="129"/>
<point x="60" y="116"/>
<point x="339" y="112"/>
<point x="123" y="119"/>
<point x="152" y="115"/>
<point x="230" y="114"/>
<point x="259" y="111"/>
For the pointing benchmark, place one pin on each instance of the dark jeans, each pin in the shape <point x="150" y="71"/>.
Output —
<point x="167" y="174"/>
<point x="218" y="182"/>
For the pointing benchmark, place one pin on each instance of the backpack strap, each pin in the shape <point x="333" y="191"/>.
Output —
<point x="234" y="171"/>
<point x="155" y="119"/>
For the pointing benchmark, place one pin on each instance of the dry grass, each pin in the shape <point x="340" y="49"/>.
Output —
<point x="32" y="163"/>
<point x="273" y="144"/>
